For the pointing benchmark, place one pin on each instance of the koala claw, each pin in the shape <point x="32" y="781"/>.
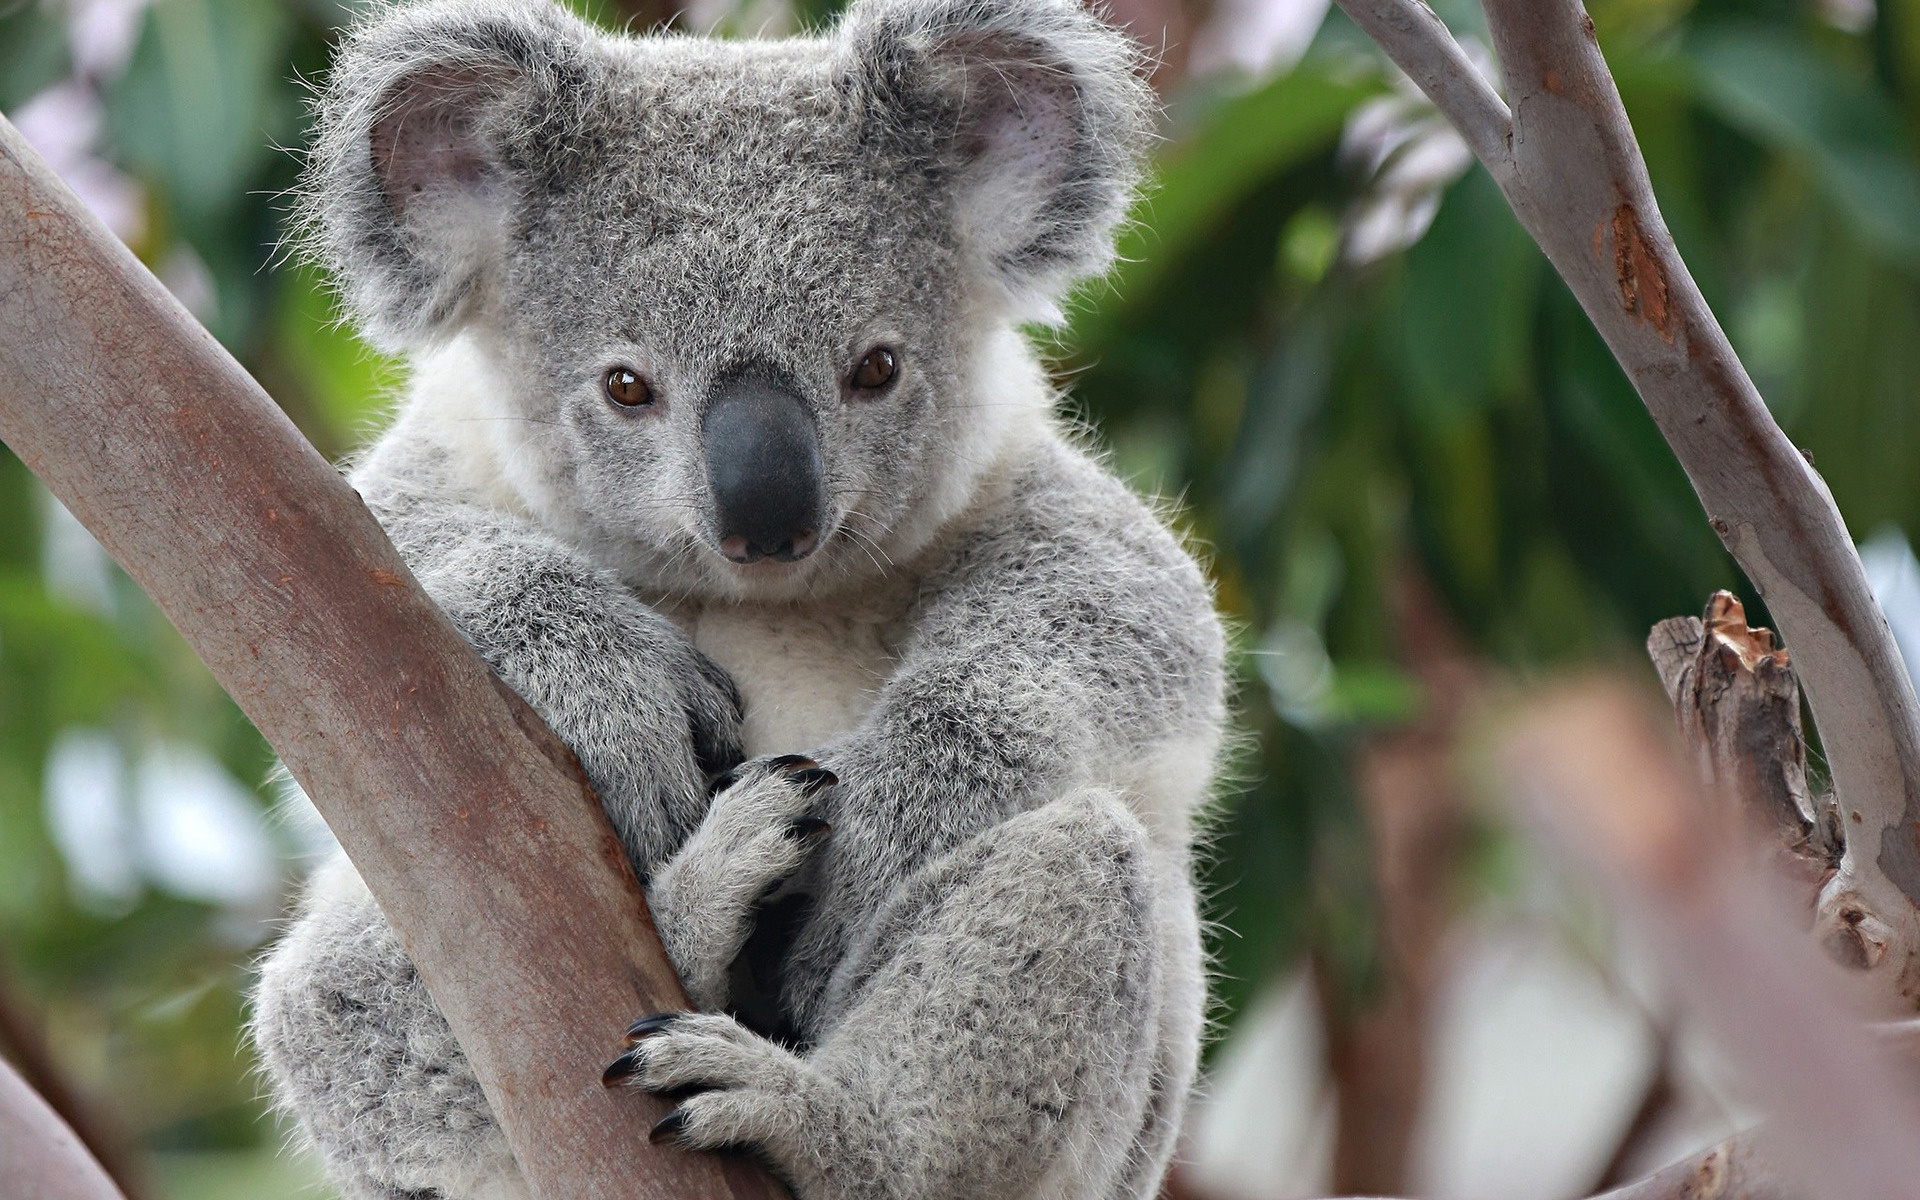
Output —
<point x="645" y="1027"/>
<point x="809" y="829"/>
<point x="668" y="1126"/>
<point x="620" y="1070"/>
<point x="804" y="771"/>
<point x="628" y="1064"/>
<point x="812" y="780"/>
<point x="740" y="1089"/>
<point x="757" y="836"/>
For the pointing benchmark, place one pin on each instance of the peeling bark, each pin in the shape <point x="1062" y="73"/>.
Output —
<point x="1738" y="707"/>
<point x="1737" y="704"/>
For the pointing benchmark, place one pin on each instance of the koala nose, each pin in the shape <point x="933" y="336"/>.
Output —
<point x="763" y="464"/>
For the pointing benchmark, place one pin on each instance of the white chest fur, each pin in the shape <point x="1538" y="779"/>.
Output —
<point x="805" y="674"/>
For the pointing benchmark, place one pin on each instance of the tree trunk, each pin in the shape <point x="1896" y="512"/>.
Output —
<point x="471" y="823"/>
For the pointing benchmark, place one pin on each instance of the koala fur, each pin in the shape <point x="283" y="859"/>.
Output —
<point x="937" y="915"/>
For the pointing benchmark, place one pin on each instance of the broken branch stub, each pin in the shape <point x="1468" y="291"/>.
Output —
<point x="1736" y="702"/>
<point x="1737" y="706"/>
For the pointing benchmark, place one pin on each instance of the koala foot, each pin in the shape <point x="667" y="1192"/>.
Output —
<point x="749" y="1093"/>
<point x="757" y="835"/>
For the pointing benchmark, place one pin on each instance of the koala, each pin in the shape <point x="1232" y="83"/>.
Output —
<point x="723" y="445"/>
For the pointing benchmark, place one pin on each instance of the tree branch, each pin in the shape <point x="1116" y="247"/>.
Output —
<point x="1736" y="1169"/>
<point x="472" y="824"/>
<point x="1595" y="774"/>
<point x="23" y="1042"/>
<point x="1578" y="184"/>
<point x="44" y="1159"/>
<point x="1419" y="44"/>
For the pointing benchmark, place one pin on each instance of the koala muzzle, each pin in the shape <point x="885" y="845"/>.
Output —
<point x="763" y="465"/>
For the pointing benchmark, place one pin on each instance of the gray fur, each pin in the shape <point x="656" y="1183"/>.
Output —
<point x="1010" y="666"/>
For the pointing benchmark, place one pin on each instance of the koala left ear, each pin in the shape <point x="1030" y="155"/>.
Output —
<point x="1035" y="109"/>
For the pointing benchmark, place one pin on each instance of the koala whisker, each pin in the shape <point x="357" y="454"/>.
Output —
<point x="866" y="540"/>
<point x="515" y="419"/>
<point x="867" y="546"/>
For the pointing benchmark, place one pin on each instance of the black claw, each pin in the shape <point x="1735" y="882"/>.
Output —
<point x="792" y="763"/>
<point x="808" y="829"/>
<point x="668" y="1126"/>
<point x="622" y="1069"/>
<point x="721" y="782"/>
<point x="813" y="780"/>
<point x="646" y="1027"/>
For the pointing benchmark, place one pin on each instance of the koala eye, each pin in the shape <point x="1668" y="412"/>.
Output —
<point x="626" y="388"/>
<point x="876" y="371"/>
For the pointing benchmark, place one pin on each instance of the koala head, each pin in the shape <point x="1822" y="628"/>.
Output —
<point x="738" y="317"/>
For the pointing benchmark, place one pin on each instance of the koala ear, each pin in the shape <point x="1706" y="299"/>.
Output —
<point x="436" y="119"/>
<point x="1035" y="109"/>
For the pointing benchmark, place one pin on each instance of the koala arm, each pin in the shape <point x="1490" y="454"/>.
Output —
<point x="648" y="715"/>
<point x="352" y="1043"/>
<point x="1067" y="640"/>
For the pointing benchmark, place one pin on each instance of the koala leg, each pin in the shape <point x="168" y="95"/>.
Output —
<point x="365" y="1063"/>
<point x="1009" y="1031"/>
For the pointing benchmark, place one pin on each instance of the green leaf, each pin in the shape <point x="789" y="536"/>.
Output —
<point x="1470" y="286"/>
<point x="1839" y="125"/>
<point x="204" y="101"/>
<point x="1249" y="140"/>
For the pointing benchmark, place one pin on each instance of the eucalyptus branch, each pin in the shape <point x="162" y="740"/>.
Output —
<point x="471" y="823"/>
<point x="44" y="1159"/>
<point x="1576" y="180"/>
<point x="1419" y="44"/>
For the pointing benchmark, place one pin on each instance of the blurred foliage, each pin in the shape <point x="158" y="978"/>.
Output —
<point x="1328" y="410"/>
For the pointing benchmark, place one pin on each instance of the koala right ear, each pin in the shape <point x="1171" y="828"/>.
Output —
<point x="1037" y="114"/>
<point x="436" y="119"/>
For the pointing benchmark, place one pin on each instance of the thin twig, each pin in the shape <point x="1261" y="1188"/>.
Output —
<point x="1419" y="44"/>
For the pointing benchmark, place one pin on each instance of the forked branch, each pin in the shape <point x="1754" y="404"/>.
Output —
<point x="1574" y="176"/>
<point x="1419" y="43"/>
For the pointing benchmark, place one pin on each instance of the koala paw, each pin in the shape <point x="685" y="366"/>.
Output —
<point x="756" y="837"/>
<point x="749" y="1093"/>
